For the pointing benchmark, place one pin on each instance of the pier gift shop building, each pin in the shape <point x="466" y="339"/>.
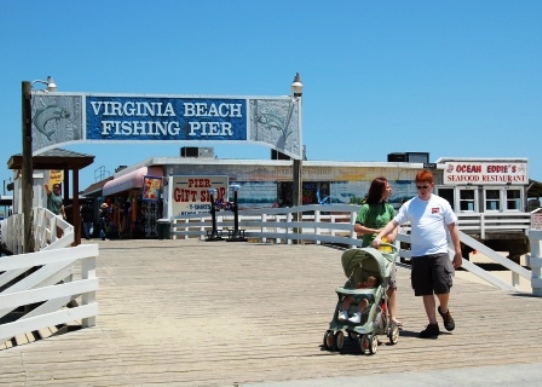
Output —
<point x="477" y="189"/>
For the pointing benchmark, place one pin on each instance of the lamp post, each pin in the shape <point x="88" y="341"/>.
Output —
<point x="28" y="168"/>
<point x="297" y="92"/>
<point x="236" y="235"/>
<point x="213" y="235"/>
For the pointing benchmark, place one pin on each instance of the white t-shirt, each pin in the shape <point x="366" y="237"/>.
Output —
<point x="428" y="220"/>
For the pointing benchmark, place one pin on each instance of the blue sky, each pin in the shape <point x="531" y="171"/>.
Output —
<point x="457" y="79"/>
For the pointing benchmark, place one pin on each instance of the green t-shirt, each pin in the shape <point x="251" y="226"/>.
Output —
<point x="374" y="216"/>
<point x="54" y="203"/>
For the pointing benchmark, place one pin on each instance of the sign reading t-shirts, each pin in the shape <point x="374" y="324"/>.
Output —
<point x="190" y="194"/>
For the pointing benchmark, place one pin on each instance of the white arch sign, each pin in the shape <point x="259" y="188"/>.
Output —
<point x="62" y="118"/>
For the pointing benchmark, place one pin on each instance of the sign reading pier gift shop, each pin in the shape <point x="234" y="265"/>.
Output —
<point x="59" y="118"/>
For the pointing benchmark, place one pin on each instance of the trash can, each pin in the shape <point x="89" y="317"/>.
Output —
<point x="163" y="226"/>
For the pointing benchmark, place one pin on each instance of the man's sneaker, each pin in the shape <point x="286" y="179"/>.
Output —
<point x="449" y="322"/>
<point x="430" y="332"/>
<point x="356" y="318"/>
<point x="343" y="315"/>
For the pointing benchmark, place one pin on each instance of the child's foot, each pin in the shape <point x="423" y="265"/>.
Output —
<point x="343" y="315"/>
<point x="356" y="318"/>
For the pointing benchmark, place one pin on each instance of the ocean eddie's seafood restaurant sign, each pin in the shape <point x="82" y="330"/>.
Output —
<point x="485" y="173"/>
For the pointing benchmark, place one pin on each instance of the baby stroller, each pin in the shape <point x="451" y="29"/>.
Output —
<point x="358" y="265"/>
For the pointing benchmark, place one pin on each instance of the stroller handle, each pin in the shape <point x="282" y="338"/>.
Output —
<point x="393" y="247"/>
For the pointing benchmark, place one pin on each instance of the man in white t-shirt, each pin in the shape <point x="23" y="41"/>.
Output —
<point x="429" y="215"/>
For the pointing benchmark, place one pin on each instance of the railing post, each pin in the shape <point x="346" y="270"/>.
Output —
<point x="317" y="230"/>
<point x="289" y="230"/>
<point x="534" y="260"/>
<point x="263" y="229"/>
<point x="482" y="227"/>
<point x="88" y="271"/>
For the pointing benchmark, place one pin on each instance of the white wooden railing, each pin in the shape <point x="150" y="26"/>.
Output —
<point x="334" y="224"/>
<point x="52" y="287"/>
<point x="321" y="224"/>
<point x="50" y="232"/>
<point x="482" y="223"/>
<point x="534" y="261"/>
<point x="47" y="277"/>
<point x="326" y="220"/>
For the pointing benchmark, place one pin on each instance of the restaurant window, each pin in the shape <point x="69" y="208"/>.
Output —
<point x="513" y="199"/>
<point x="493" y="200"/>
<point x="466" y="200"/>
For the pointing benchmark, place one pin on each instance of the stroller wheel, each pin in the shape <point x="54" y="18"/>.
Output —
<point x="363" y="341"/>
<point x="394" y="334"/>
<point x="339" y="340"/>
<point x="329" y="340"/>
<point x="373" y="343"/>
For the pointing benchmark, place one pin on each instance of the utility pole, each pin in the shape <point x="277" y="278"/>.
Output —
<point x="297" y="167"/>
<point x="28" y="170"/>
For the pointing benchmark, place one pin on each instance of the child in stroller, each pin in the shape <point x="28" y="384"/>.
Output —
<point x="371" y="283"/>
<point x="359" y="265"/>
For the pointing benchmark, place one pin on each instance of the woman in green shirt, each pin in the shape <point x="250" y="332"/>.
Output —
<point x="374" y="214"/>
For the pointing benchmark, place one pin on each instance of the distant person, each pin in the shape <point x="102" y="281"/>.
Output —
<point x="374" y="214"/>
<point x="103" y="218"/>
<point x="87" y="216"/>
<point x="55" y="203"/>
<point x="429" y="216"/>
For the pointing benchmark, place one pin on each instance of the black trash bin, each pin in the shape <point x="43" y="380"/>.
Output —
<point x="163" y="228"/>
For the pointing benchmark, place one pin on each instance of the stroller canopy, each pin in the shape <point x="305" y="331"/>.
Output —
<point x="369" y="258"/>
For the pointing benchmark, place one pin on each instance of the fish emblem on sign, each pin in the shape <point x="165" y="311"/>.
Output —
<point x="44" y="117"/>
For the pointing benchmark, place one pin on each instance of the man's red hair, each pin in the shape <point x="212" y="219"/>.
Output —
<point x="424" y="176"/>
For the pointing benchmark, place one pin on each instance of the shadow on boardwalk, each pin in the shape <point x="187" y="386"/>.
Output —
<point x="193" y="313"/>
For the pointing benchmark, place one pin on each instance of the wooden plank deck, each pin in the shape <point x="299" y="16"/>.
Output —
<point x="194" y="313"/>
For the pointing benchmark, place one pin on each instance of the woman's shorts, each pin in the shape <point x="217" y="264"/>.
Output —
<point x="431" y="274"/>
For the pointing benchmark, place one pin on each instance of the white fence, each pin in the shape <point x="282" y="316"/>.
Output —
<point x="334" y="224"/>
<point x="481" y="223"/>
<point x="47" y="278"/>
<point x="534" y="261"/>
<point x="320" y="224"/>
<point x="50" y="232"/>
<point x="52" y="287"/>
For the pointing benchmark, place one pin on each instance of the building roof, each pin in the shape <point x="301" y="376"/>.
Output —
<point x="96" y="189"/>
<point x="54" y="159"/>
<point x="534" y="189"/>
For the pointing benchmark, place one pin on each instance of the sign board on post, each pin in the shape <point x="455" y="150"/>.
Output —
<point x="485" y="173"/>
<point x="152" y="186"/>
<point x="56" y="176"/>
<point x="82" y="117"/>
<point x="430" y="165"/>
<point x="190" y="194"/>
<point x="536" y="220"/>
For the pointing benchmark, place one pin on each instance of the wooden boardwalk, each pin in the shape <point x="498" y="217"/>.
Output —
<point x="194" y="313"/>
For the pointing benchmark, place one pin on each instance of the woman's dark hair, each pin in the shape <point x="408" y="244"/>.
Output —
<point x="376" y="190"/>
